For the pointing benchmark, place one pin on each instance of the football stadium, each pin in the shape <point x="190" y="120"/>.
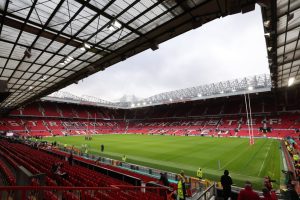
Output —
<point x="234" y="138"/>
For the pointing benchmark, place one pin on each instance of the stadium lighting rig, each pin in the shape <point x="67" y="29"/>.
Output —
<point x="114" y="25"/>
<point x="44" y="78"/>
<point x="85" y="47"/>
<point x="67" y="60"/>
<point x="267" y="23"/>
<point x="268" y="34"/>
<point x="291" y="81"/>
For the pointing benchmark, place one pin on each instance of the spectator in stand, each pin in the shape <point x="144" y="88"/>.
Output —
<point x="171" y="194"/>
<point x="290" y="193"/>
<point x="288" y="177"/>
<point x="164" y="179"/>
<point x="226" y="182"/>
<point x="247" y="193"/>
<point x="54" y="167"/>
<point x="70" y="159"/>
<point x="295" y="157"/>
<point x="268" y="195"/>
<point x="268" y="183"/>
<point x="60" y="172"/>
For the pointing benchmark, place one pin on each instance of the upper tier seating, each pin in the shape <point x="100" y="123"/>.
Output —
<point x="280" y="126"/>
<point x="32" y="110"/>
<point x="50" y="110"/>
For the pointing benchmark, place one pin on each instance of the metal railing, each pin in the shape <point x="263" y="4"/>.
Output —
<point x="208" y="193"/>
<point x="82" y="193"/>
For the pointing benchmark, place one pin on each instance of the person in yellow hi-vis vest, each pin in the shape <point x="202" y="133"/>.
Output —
<point x="181" y="187"/>
<point x="124" y="158"/>
<point x="296" y="157"/>
<point x="199" y="174"/>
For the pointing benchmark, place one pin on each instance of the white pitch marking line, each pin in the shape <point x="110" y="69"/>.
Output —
<point x="265" y="159"/>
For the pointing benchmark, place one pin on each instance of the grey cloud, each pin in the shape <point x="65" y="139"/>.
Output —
<point x="227" y="48"/>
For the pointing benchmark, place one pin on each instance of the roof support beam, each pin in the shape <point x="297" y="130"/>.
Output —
<point x="45" y="33"/>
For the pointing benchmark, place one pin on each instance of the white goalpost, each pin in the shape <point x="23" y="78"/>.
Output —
<point x="249" y="119"/>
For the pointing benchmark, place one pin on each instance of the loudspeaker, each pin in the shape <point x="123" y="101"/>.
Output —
<point x="3" y="86"/>
<point x="27" y="53"/>
<point x="3" y="90"/>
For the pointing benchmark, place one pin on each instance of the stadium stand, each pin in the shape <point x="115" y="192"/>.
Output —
<point x="39" y="161"/>
<point x="217" y="122"/>
<point x="41" y="52"/>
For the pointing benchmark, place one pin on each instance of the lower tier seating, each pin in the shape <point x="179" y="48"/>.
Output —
<point x="37" y="161"/>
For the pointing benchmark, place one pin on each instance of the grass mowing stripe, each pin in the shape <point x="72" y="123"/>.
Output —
<point x="175" y="153"/>
<point x="235" y="158"/>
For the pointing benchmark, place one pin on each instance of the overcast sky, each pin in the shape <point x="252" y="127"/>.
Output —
<point x="224" y="49"/>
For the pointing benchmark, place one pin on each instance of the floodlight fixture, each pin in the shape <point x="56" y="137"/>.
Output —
<point x="222" y="92"/>
<point x="269" y="48"/>
<point x="138" y="104"/>
<point x="144" y="103"/>
<point x="82" y="49"/>
<point x="171" y="99"/>
<point x="44" y="78"/>
<point x="199" y="95"/>
<point x="30" y="88"/>
<point x="267" y="34"/>
<point x="114" y="25"/>
<point x="250" y="88"/>
<point x="267" y="23"/>
<point x="154" y="46"/>
<point x="86" y="46"/>
<point x="132" y="105"/>
<point x="291" y="81"/>
<point x="233" y="90"/>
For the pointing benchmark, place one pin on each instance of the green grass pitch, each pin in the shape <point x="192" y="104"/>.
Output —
<point x="175" y="153"/>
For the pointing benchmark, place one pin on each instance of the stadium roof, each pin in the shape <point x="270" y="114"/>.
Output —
<point x="253" y="84"/>
<point x="282" y="28"/>
<point x="46" y="45"/>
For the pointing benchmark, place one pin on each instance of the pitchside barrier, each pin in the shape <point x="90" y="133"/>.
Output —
<point x="193" y="185"/>
<point x="114" y="174"/>
<point x="82" y="193"/>
<point x="203" y="189"/>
